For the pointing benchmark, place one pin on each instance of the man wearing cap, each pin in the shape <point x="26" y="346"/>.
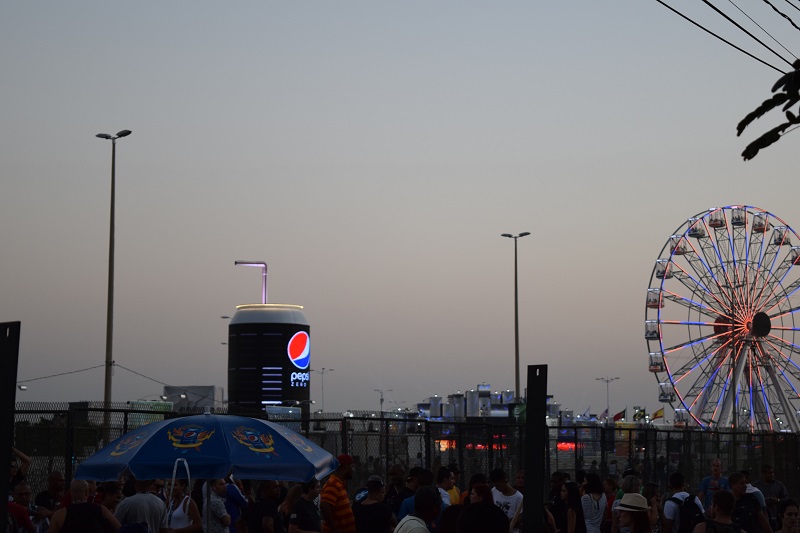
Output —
<point x="371" y="513"/>
<point x="337" y="515"/>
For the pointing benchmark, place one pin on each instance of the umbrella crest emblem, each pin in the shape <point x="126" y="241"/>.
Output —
<point x="191" y="436"/>
<point x="254" y="440"/>
<point x="297" y="441"/>
<point x="128" y="443"/>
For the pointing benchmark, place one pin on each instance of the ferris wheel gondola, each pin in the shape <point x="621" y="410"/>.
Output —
<point x="720" y="326"/>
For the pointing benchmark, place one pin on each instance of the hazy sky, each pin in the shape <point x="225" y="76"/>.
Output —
<point x="372" y="153"/>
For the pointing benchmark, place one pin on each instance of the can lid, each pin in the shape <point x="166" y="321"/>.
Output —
<point x="269" y="314"/>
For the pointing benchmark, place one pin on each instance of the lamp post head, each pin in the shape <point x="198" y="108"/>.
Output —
<point x="524" y="233"/>
<point x="124" y="133"/>
<point x="103" y="136"/>
<point x="502" y="235"/>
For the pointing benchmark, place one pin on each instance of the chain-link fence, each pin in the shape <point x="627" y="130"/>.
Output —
<point x="59" y="436"/>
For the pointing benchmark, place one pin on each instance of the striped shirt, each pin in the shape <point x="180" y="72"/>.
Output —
<point x="335" y="494"/>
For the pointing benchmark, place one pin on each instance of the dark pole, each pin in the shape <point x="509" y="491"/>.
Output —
<point x="517" y="394"/>
<point x="516" y="325"/>
<point x="109" y="363"/>
<point x="110" y="303"/>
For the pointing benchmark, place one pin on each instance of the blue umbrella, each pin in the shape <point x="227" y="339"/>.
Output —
<point x="213" y="446"/>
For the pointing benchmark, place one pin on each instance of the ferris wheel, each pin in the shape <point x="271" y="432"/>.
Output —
<point x="720" y="323"/>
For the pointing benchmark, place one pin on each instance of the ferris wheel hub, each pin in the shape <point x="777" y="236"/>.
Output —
<point x="760" y="326"/>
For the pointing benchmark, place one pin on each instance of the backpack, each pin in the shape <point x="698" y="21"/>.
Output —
<point x="716" y="527"/>
<point x="689" y="514"/>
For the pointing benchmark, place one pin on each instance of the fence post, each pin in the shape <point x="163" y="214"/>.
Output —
<point x="427" y="444"/>
<point x="344" y="434"/>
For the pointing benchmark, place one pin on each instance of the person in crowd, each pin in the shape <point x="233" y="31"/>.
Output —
<point x="108" y="494"/>
<point x="788" y="519"/>
<point x="286" y="507"/>
<point x="183" y="516"/>
<point x="593" y="503"/>
<point x="372" y="514"/>
<point x="397" y="482"/>
<point x="571" y="496"/>
<point x="215" y="519"/>
<point x="610" y="489"/>
<point x="652" y="493"/>
<point x="631" y="484"/>
<point x="19" y="518"/>
<point x="481" y="493"/>
<point x="773" y="490"/>
<point x="519" y="481"/>
<point x="424" y="479"/>
<point x="305" y="517"/>
<point x="20" y="465"/>
<point x="445" y="480"/>
<point x="427" y="506"/>
<point x="755" y="492"/>
<point x="263" y="515"/>
<point x="672" y="507"/>
<point x="454" y="492"/>
<point x="337" y="515"/>
<point x="479" y="478"/>
<point x="82" y="516"/>
<point x="142" y="507"/>
<point x="22" y="496"/>
<point x="721" y="510"/>
<point x="633" y="513"/>
<point x="156" y="488"/>
<point x="448" y="523"/>
<point x="506" y="497"/>
<point x="50" y="498"/>
<point x="235" y="502"/>
<point x="557" y="506"/>
<point x="747" y="511"/>
<point x="712" y="483"/>
<point x="411" y="484"/>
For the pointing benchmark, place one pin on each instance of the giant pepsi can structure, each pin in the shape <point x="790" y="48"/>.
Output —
<point x="269" y="357"/>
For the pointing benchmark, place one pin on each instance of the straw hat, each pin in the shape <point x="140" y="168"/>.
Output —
<point x="633" y="502"/>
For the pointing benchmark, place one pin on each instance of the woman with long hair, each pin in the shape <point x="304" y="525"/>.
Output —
<point x="593" y="502"/>
<point x="286" y="508"/>
<point x="571" y="496"/>
<point x="183" y="516"/>
<point x="630" y="485"/>
<point x="788" y="511"/>
<point x="634" y="513"/>
<point x="652" y="493"/>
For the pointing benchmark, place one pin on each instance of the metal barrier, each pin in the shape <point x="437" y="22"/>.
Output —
<point x="59" y="436"/>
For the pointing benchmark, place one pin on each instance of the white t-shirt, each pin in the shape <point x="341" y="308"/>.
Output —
<point x="411" y="524"/>
<point x="508" y="504"/>
<point x="672" y="510"/>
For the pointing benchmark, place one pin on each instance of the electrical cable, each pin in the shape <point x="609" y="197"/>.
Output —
<point x="784" y="15"/>
<point x="60" y="374"/>
<point x="762" y="29"/>
<point x="720" y="38"/>
<point x="759" y="41"/>
<point x="185" y="391"/>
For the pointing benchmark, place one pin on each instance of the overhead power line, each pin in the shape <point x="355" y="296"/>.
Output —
<point x="718" y="37"/>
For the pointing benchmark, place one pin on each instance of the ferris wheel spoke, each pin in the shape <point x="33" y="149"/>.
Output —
<point x="692" y="305"/>
<point x="786" y="358"/>
<point x="697" y="287"/>
<point x="769" y="282"/>
<point x="787" y="293"/>
<point x="702" y="267"/>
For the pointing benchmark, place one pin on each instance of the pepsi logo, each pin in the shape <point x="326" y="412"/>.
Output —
<point x="299" y="350"/>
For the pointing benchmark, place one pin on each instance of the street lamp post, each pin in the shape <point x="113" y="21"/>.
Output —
<point x="381" y="391"/>
<point x="110" y="307"/>
<point x="516" y="313"/>
<point x="608" y="394"/>
<point x="322" y="383"/>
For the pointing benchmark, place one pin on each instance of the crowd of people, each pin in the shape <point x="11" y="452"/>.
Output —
<point x="415" y="501"/>
<point x="721" y="504"/>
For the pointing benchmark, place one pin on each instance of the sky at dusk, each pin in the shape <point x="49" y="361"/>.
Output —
<point x="371" y="153"/>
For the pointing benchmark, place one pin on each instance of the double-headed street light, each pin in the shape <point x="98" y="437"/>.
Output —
<point x="322" y="373"/>
<point x="381" y="391"/>
<point x="516" y="313"/>
<point x="110" y="308"/>
<point x="608" y="393"/>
